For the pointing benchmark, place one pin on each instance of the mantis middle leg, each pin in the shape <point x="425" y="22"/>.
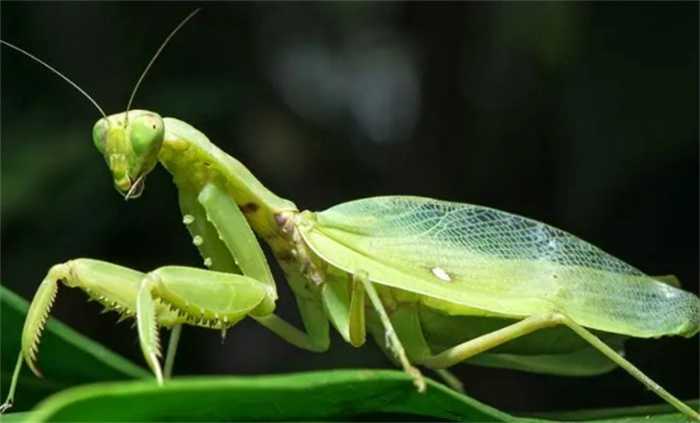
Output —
<point x="345" y="305"/>
<point x="406" y="321"/>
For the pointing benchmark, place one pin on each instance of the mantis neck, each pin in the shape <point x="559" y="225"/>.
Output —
<point x="194" y="162"/>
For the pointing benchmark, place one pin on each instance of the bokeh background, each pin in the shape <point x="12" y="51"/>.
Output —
<point x="581" y="115"/>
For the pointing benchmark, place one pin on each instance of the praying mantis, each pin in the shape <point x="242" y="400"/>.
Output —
<point x="435" y="283"/>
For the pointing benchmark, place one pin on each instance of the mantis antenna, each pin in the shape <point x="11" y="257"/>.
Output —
<point x="52" y="69"/>
<point x="155" y="56"/>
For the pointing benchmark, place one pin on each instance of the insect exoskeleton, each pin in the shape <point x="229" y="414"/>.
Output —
<point x="290" y="222"/>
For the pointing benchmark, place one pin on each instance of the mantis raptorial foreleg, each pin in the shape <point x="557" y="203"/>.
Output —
<point x="213" y="251"/>
<point x="233" y="231"/>
<point x="112" y="285"/>
<point x="202" y="297"/>
<point x="223" y="248"/>
<point x="117" y="287"/>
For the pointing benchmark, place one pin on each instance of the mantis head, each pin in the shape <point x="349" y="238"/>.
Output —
<point x="130" y="143"/>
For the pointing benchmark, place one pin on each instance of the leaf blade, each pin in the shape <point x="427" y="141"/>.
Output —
<point x="303" y="396"/>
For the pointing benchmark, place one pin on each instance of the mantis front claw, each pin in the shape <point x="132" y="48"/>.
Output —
<point x="115" y="287"/>
<point x="198" y="297"/>
<point x="166" y="297"/>
<point x="39" y="312"/>
<point x="147" y="326"/>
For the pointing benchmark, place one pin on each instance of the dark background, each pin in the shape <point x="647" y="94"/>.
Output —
<point x="584" y="116"/>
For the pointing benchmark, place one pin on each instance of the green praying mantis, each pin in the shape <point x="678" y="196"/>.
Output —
<point x="436" y="283"/>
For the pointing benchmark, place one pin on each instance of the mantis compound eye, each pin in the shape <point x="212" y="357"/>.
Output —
<point x="146" y="134"/>
<point x="99" y="134"/>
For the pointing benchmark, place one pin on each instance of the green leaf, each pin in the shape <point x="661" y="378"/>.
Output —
<point x="16" y="417"/>
<point x="66" y="357"/>
<point x="328" y="395"/>
<point x="338" y="394"/>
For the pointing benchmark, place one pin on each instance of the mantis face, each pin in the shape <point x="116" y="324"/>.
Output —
<point x="130" y="143"/>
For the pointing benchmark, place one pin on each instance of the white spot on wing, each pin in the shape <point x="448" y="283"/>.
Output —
<point x="441" y="274"/>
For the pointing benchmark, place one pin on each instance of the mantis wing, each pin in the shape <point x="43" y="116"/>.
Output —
<point x="473" y="260"/>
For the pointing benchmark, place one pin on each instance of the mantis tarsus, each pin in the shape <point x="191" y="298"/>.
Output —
<point x="436" y="283"/>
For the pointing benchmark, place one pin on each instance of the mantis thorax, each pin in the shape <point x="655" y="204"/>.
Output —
<point x="295" y="249"/>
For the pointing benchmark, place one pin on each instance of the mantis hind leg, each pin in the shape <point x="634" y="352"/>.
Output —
<point x="472" y="347"/>
<point x="531" y="324"/>
<point x="630" y="368"/>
